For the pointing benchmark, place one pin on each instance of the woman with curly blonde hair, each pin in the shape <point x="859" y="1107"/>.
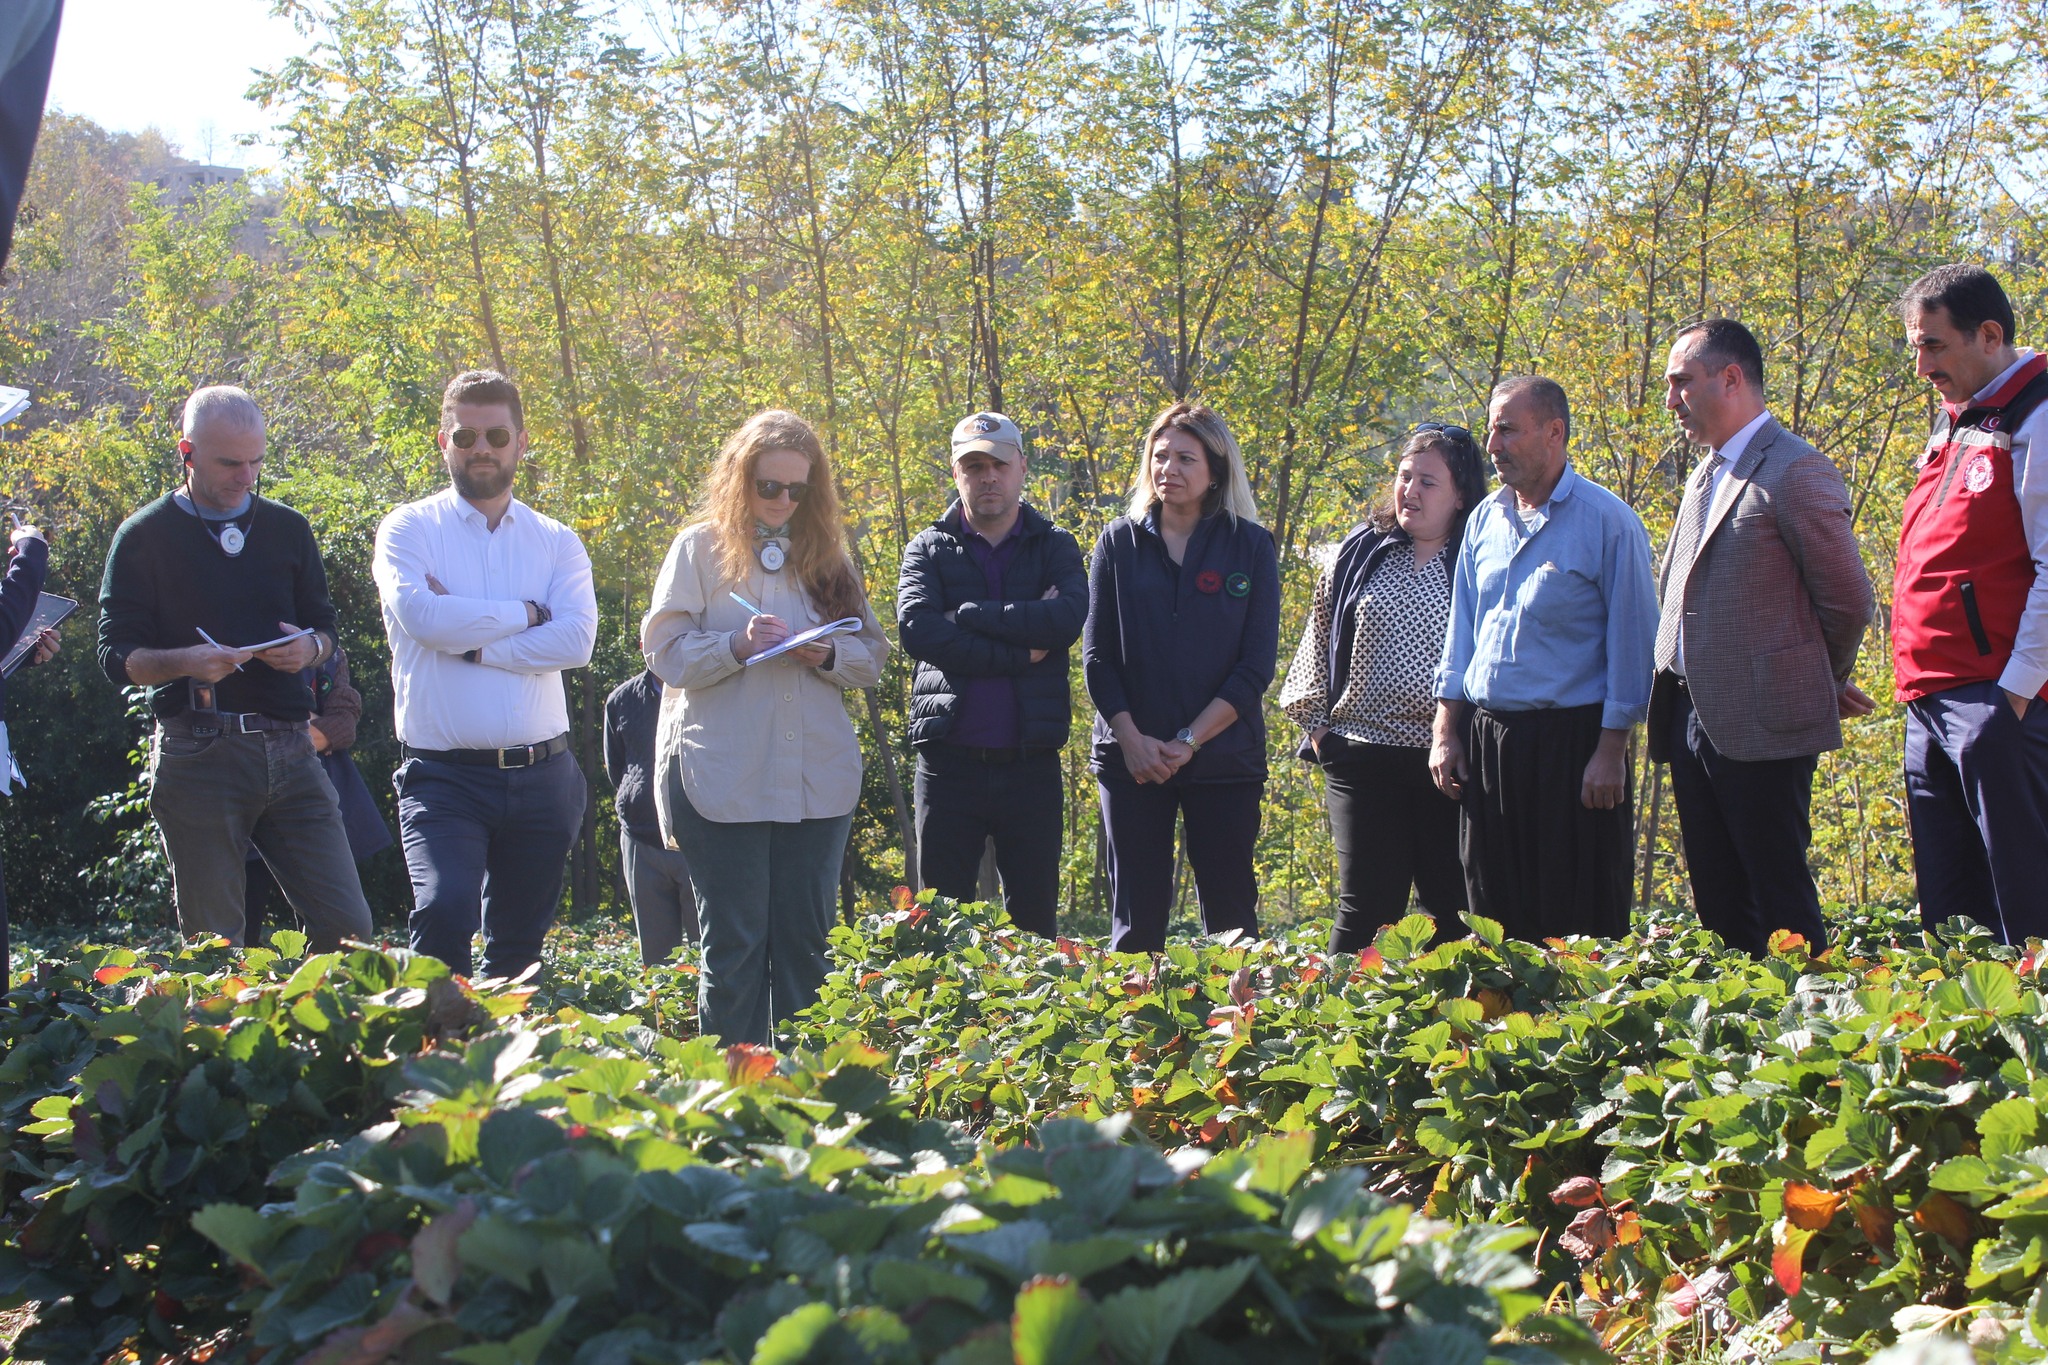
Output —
<point x="757" y="769"/>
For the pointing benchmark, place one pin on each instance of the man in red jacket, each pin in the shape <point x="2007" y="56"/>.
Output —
<point x="1970" y="613"/>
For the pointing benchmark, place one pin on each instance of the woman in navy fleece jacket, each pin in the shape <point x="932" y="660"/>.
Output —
<point x="1181" y="643"/>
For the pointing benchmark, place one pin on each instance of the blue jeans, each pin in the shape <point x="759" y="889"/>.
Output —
<point x="764" y="903"/>
<point x="1977" y="796"/>
<point x="487" y="846"/>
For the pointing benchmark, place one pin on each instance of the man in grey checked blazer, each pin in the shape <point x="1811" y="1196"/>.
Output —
<point x="1765" y="601"/>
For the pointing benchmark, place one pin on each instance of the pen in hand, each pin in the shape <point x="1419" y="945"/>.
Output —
<point x="216" y="644"/>
<point x="745" y="603"/>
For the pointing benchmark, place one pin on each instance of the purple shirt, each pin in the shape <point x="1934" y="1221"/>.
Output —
<point x="987" y="717"/>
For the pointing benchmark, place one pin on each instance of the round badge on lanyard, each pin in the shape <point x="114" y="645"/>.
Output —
<point x="772" y="557"/>
<point x="232" y="540"/>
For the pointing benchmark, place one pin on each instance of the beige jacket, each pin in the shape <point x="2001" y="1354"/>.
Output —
<point x="770" y="742"/>
<point x="1775" y="607"/>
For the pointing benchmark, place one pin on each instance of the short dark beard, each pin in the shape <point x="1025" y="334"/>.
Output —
<point x="482" y="489"/>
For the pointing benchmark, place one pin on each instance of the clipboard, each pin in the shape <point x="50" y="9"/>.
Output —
<point x="51" y="610"/>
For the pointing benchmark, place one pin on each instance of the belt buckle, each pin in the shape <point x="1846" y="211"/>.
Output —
<point x="527" y="748"/>
<point x="242" y="719"/>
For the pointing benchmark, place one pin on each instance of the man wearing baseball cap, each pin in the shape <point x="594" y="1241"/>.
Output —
<point x="990" y="598"/>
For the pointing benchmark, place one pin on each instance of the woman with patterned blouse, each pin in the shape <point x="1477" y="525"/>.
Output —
<point x="1360" y="686"/>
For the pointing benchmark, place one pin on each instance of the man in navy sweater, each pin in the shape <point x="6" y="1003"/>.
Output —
<point x="990" y="598"/>
<point x="192" y="580"/>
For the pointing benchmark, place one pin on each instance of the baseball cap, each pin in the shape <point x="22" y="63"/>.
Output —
<point x="988" y="433"/>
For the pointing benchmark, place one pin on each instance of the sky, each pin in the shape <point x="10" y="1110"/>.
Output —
<point x="181" y="66"/>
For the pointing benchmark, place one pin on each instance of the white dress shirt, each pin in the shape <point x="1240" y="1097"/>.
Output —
<point x="513" y="694"/>
<point x="1730" y="453"/>
<point x="2026" y="673"/>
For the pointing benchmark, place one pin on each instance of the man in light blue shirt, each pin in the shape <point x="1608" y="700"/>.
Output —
<point x="1546" y="668"/>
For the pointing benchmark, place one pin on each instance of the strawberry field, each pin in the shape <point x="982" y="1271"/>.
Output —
<point x="982" y="1147"/>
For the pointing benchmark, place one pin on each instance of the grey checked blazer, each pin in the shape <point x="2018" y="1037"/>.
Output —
<point x="1775" y="607"/>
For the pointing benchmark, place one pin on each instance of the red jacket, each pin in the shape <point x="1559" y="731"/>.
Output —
<point x="1964" y="567"/>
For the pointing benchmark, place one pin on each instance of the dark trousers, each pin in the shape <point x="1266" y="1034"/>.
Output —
<point x="212" y="796"/>
<point x="964" y="800"/>
<point x="1745" y="827"/>
<point x="664" y="901"/>
<point x="487" y="846"/>
<point x="1977" y="797"/>
<point x="765" y="894"/>
<point x="1222" y="831"/>
<point x="263" y="902"/>
<point x="1536" y="858"/>
<point x="1393" y="830"/>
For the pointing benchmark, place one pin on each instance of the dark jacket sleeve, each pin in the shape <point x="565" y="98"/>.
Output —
<point x="1102" y="644"/>
<point x="340" y="710"/>
<point x="125" y="614"/>
<point x="927" y="635"/>
<point x="1258" y="649"/>
<point x="1050" y="623"/>
<point x="614" y="742"/>
<point x="20" y="589"/>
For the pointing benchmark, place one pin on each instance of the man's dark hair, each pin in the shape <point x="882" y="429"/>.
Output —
<point x="481" y="386"/>
<point x="1724" y="342"/>
<point x="1969" y="294"/>
<point x="1546" y="394"/>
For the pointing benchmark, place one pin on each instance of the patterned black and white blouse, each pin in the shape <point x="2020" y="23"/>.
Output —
<point x="1388" y="695"/>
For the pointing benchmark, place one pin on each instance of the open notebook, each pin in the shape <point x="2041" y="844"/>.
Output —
<point x="845" y="625"/>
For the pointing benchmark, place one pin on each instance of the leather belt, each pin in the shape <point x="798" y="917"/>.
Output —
<point x="518" y="756"/>
<point x="231" y="723"/>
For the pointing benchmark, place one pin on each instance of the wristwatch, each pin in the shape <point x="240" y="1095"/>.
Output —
<point x="1187" y="737"/>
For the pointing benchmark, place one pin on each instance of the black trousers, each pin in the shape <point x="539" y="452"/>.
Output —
<point x="1394" y="830"/>
<point x="1745" y="826"/>
<point x="1222" y="832"/>
<point x="963" y="800"/>
<point x="1536" y="858"/>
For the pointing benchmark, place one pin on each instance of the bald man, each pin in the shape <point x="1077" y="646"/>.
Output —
<point x="215" y="599"/>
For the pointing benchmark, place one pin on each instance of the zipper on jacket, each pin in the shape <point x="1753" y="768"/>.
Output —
<point x="1951" y="457"/>
<point x="1976" y="620"/>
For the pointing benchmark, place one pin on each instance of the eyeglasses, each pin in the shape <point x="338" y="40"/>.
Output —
<point x="768" y="490"/>
<point x="462" y="438"/>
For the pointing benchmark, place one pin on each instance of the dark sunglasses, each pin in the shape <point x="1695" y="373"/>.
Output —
<point x="768" y="490"/>
<point x="1456" y="433"/>
<point x="462" y="438"/>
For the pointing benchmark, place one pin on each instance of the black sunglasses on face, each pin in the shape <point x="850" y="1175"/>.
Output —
<point x="768" y="490"/>
<point x="462" y="438"/>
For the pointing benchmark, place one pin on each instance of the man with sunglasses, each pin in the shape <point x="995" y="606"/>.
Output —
<point x="990" y="598"/>
<point x="486" y="601"/>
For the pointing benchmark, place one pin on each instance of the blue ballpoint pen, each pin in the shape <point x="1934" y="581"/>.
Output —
<point x="745" y="603"/>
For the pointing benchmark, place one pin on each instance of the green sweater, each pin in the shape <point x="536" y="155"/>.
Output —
<point x="167" y="580"/>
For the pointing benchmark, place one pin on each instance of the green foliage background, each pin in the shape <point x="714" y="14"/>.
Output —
<point x="1328" y="218"/>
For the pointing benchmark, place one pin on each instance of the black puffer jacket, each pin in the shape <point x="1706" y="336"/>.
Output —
<point x="987" y="638"/>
